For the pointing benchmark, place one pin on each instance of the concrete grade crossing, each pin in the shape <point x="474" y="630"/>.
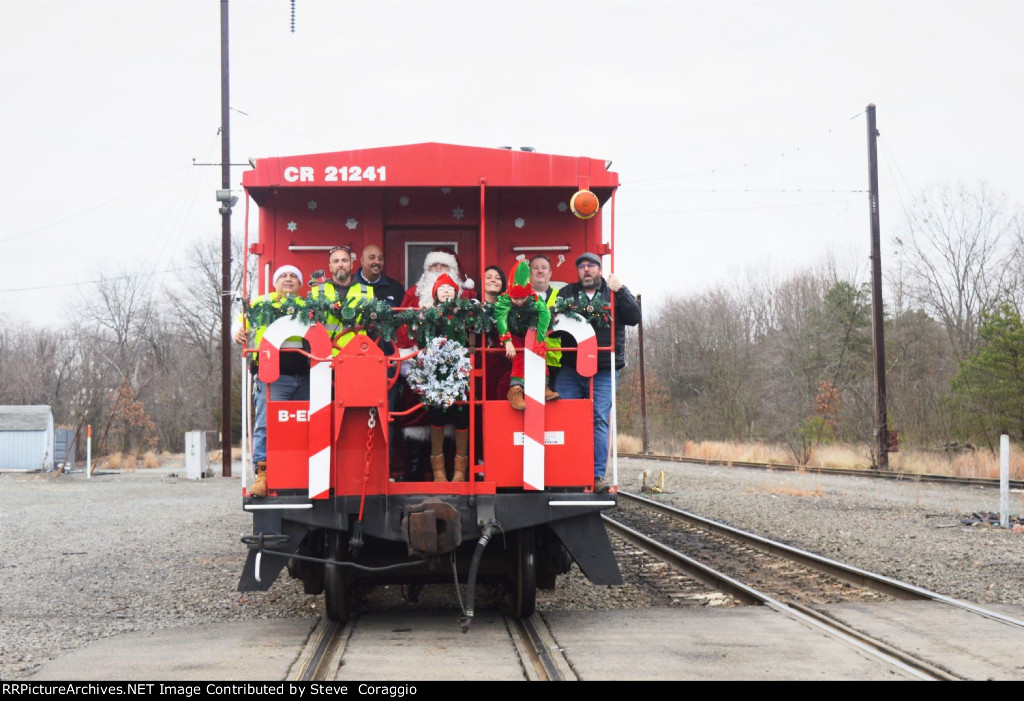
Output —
<point x="742" y="643"/>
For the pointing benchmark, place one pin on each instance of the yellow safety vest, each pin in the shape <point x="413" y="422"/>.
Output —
<point x="332" y="323"/>
<point x="554" y="357"/>
<point x="276" y="300"/>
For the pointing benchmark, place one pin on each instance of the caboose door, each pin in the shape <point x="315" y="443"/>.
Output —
<point x="406" y="248"/>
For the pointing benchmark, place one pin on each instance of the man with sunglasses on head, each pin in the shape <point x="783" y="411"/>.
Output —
<point x="569" y="384"/>
<point x="342" y="286"/>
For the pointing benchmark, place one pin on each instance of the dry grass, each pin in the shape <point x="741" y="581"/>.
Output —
<point x="844" y="457"/>
<point x="628" y="444"/>
<point x="976" y="463"/>
<point x="119" y="461"/>
<point x="150" y="460"/>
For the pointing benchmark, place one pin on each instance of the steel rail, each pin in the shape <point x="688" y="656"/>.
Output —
<point x="321" y="655"/>
<point x="912" y="666"/>
<point x="877" y="474"/>
<point x="542" y="659"/>
<point x="856" y="575"/>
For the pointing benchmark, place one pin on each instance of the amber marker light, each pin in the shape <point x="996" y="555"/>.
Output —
<point x="584" y="204"/>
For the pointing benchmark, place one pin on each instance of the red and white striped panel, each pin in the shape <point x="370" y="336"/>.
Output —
<point x="534" y="368"/>
<point x="319" y="392"/>
<point x="586" y="342"/>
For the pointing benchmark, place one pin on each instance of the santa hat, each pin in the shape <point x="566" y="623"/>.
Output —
<point x="519" y="281"/>
<point x="444" y="279"/>
<point x="287" y="269"/>
<point x="446" y="256"/>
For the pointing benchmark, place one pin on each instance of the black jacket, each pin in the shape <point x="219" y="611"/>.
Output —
<point x="391" y="291"/>
<point x="627" y="313"/>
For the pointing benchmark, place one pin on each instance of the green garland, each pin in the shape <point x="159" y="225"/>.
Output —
<point x="591" y="311"/>
<point x="522" y="319"/>
<point x="455" y="319"/>
<point x="264" y="312"/>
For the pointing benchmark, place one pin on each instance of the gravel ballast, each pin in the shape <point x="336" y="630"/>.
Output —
<point x="87" y="559"/>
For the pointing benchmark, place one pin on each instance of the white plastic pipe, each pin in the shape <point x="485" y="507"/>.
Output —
<point x="1004" y="481"/>
<point x="88" y="452"/>
<point x="613" y="425"/>
<point x="246" y="419"/>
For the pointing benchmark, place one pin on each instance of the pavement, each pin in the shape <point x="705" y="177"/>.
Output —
<point x="742" y="643"/>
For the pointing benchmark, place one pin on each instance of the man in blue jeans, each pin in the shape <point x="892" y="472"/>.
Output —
<point x="293" y="384"/>
<point x="569" y="383"/>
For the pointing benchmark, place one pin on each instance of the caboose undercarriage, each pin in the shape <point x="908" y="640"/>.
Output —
<point x="521" y="541"/>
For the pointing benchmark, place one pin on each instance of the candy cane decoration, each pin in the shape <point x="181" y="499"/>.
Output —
<point x="319" y="391"/>
<point x="534" y="366"/>
<point x="586" y="342"/>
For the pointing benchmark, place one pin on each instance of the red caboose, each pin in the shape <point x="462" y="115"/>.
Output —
<point x="338" y="511"/>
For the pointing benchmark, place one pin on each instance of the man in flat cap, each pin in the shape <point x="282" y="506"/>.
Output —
<point x="568" y="382"/>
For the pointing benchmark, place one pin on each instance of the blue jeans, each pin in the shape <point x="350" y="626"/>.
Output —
<point x="571" y="385"/>
<point x="287" y="388"/>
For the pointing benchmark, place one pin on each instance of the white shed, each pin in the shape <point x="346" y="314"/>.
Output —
<point x="26" y="438"/>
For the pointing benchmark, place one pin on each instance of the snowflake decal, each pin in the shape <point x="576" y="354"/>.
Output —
<point x="458" y="213"/>
<point x="351" y="223"/>
<point x="520" y="223"/>
<point x="311" y="204"/>
<point x="446" y="191"/>
<point x="562" y="206"/>
<point x="404" y="200"/>
<point x="292" y="226"/>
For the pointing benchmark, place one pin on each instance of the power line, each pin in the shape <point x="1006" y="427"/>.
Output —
<point x="91" y="209"/>
<point x="622" y="213"/>
<point x="739" y="166"/>
<point x="104" y="279"/>
<point x="716" y="191"/>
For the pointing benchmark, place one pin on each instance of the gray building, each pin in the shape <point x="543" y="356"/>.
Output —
<point x="26" y="438"/>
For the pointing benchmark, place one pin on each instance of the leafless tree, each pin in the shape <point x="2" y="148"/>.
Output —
<point x="954" y="248"/>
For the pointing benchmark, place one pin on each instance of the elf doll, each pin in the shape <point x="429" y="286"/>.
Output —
<point x="515" y="312"/>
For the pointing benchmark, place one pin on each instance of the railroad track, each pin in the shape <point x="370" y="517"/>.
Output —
<point x="878" y="474"/>
<point x="324" y="652"/>
<point x="793" y="582"/>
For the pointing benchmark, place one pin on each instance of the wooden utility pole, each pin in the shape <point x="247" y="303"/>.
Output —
<point x="643" y="379"/>
<point x="877" y="319"/>
<point x="224" y="197"/>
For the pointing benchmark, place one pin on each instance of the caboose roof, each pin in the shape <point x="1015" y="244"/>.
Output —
<point x="434" y="165"/>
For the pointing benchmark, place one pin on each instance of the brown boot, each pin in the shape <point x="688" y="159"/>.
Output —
<point x="259" y="487"/>
<point x="437" y="465"/>
<point x="550" y="395"/>
<point x="461" y="463"/>
<point x="515" y="397"/>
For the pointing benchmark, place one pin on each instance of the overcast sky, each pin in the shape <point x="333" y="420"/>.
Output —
<point x="737" y="128"/>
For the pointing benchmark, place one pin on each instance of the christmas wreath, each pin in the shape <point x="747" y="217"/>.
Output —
<point x="440" y="373"/>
